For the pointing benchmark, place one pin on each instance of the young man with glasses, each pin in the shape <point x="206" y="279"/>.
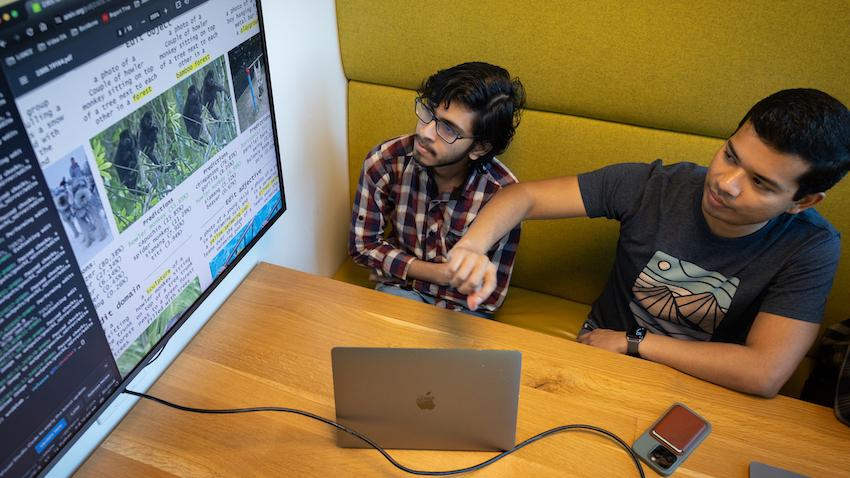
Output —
<point x="720" y="272"/>
<point x="419" y="193"/>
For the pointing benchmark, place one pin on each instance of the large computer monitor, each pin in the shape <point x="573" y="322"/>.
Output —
<point x="138" y="163"/>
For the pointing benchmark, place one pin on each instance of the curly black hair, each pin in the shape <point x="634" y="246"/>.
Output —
<point x="810" y="124"/>
<point x="489" y="91"/>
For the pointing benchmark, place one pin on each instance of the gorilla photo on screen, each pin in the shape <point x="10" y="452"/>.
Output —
<point x="148" y="133"/>
<point x="211" y="91"/>
<point x="126" y="160"/>
<point x="196" y="101"/>
<point x="192" y="113"/>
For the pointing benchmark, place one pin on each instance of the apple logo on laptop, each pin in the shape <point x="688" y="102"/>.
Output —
<point x="426" y="402"/>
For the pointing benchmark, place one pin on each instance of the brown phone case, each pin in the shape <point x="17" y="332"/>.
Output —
<point x="678" y="429"/>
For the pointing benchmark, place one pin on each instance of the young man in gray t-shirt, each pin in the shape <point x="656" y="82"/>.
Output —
<point x="721" y="272"/>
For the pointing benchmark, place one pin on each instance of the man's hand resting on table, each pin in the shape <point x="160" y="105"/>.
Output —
<point x="611" y="340"/>
<point x="472" y="274"/>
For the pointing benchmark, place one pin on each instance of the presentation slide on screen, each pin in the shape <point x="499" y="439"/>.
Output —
<point x="161" y="163"/>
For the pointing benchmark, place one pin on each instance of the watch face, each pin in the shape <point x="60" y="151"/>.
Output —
<point x="637" y="333"/>
<point x="633" y="338"/>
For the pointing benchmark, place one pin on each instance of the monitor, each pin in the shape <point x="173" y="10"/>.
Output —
<point x="138" y="163"/>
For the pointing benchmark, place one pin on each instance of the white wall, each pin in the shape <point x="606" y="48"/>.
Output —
<point x="309" y="91"/>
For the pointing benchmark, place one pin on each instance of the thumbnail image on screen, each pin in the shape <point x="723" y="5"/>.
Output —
<point x="138" y="163"/>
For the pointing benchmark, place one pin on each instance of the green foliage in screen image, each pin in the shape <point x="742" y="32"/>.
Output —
<point x="156" y="330"/>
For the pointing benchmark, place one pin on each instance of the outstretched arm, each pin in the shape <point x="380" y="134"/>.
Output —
<point x="472" y="272"/>
<point x="761" y="366"/>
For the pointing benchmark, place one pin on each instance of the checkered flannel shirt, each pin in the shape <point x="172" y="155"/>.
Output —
<point x="397" y="192"/>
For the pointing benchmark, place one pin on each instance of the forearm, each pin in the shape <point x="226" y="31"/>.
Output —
<point x="473" y="274"/>
<point x="774" y="347"/>
<point x="503" y="212"/>
<point x="735" y="366"/>
<point x="546" y="199"/>
<point x="379" y="254"/>
<point x="433" y="272"/>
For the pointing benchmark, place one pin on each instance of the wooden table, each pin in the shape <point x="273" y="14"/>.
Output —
<point x="270" y="343"/>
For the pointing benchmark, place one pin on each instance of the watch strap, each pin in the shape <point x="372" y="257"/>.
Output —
<point x="633" y="339"/>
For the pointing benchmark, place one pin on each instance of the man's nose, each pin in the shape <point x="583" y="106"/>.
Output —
<point x="730" y="182"/>
<point x="428" y="130"/>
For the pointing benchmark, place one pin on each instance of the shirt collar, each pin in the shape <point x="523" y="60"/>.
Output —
<point x="466" y="189"/>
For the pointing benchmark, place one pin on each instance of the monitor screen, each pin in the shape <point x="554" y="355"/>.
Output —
<point x="138" y="163"/>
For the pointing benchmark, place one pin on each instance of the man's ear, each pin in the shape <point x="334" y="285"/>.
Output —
<point x="806" y="202"/>
<point x="480" y="149"/>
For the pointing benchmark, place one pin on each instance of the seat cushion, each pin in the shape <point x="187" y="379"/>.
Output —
<point x="352" y="273"/>
<point x="543" y="312"/>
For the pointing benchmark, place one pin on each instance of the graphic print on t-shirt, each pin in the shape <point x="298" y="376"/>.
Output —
<point x="681" y="299"/>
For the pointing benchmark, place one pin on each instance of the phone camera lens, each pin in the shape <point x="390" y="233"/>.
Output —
<point x="662" y="457"/>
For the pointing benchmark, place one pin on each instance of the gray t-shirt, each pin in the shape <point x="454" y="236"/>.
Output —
<point x="675" y="277"/>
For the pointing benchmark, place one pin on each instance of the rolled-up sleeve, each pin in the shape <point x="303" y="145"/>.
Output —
<point x="366" y="243"/>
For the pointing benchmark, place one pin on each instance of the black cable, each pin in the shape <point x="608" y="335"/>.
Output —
<point x="374" y="445"/>
<point x="158" y="353"/>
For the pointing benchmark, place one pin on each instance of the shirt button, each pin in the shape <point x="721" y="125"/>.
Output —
<point x="360" y="218"/>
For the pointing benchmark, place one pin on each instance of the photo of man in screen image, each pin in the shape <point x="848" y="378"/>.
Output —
<point x="247" y="66"/>
<point x="78" y="202"/>
<point x="418" y="193"/>
<point x="721" y="272"/>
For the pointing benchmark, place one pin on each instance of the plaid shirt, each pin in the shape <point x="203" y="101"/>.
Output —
<point x="394" y="190"/>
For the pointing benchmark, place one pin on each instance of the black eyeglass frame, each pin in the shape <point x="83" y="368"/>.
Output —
<point x="421" y="101"/>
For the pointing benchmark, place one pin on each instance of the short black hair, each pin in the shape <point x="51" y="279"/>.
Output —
<point x="487" y="90"/>
<point x="810" y="124"/>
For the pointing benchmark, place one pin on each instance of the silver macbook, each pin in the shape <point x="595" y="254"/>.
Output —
<point x="434" y="399"/>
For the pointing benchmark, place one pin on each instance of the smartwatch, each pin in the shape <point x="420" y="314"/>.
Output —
<point x="634" y="337"/>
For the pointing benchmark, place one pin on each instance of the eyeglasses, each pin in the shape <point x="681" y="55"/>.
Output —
<point x="445" y="131"/>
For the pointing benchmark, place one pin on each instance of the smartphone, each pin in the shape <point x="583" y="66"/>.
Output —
<point x="669" y="441"/>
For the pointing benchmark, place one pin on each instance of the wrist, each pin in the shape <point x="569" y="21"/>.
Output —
<point x="468" y="244"/>
<point x="445" y="274"/>
<point x="434" y="272"/>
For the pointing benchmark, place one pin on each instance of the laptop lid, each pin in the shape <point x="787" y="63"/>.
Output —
<point x="434" y="399"/>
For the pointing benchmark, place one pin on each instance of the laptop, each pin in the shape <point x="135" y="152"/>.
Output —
<point x="427" y="399"/>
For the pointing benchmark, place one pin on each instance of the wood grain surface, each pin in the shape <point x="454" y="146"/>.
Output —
<point x="269" y="345"/>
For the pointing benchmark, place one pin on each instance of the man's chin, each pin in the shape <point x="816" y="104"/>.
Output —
<point x="418" y="158"/>
<point x="709" y="212"/>
<point x="421" y="154"/>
